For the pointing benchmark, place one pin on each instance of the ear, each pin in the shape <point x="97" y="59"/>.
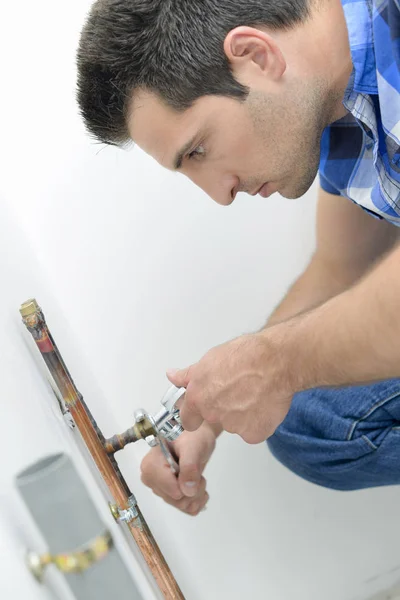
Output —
<point x="247" y="47"/>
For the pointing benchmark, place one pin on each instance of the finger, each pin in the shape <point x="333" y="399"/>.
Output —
<point x="182" y="504"/>
<point x="179" y="377"/>
<point x="190" y="415"/>
<point x="187" y="505"/>
<point x="192" y="488"/>
<point x="197" y="506"/>
<point x="192" y="464"/>
<point x="156" y="473"/>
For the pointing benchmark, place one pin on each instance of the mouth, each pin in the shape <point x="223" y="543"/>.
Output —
<point x="265" y="191"/>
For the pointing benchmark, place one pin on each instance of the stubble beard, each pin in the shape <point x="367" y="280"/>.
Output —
<point x="316" y="111"/>
<point x="319" y="110"/>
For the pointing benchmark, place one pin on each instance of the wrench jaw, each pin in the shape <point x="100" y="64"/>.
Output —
<point x="172" y="397"/>
<point x="164" y="427"/>
<point x="168" y="419"/>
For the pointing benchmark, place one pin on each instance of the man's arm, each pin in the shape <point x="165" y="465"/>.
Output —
<point x="349" y="242"/>
<point x="246" y="385"/>
<point x="353" y="338"/>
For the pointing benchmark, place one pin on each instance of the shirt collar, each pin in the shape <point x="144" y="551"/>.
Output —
<point x="358" y="15"/>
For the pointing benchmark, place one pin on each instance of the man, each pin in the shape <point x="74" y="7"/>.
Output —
<point x="256" y="96"/>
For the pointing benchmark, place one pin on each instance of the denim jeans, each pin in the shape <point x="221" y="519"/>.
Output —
<point x="343" y="438"/>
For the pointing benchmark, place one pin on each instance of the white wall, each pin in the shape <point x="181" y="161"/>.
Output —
<point x="31" y="423"/>
<point x="147" y="273"/>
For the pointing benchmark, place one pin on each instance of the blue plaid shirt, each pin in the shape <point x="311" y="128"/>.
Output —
<point x="360" y="154"/>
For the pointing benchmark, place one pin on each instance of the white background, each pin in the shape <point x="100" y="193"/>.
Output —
<point x="138" y="271"/>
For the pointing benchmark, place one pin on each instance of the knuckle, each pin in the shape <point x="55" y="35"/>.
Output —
<point x="190" y="472"/>
<point x="146" y="465"/>
<point x="145" y="479"/>
<point x="168" y="499"/>
<point x="177" y="495"/>
<point x="189" y="371"/>
<point x="191" y="402"/>
<point x="184" y="504"/>
<point x="253" y="438"/>
<point x="201" y="489"/>
<point x="194" y="509"/>
<point x="210" y="415"/>
<point x="170" y="487"/>
<point x="203" y="486"/>
<point x="229" y="426"/>
<point x="230" y="429"/>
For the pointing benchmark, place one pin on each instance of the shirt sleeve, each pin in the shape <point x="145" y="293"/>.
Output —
<point x="326" y="186"/>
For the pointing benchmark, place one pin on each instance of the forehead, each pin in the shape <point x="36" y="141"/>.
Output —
<point x="153" y="125"/>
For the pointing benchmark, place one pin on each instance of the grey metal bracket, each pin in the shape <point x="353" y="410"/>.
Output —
<point x="126" y="515"/>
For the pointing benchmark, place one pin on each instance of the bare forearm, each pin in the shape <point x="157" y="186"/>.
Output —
<point x="316" y="285"/>
<point x="351" y="339"/>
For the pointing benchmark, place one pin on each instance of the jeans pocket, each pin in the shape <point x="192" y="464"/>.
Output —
<point x="377" y="422"/>
<point x="344" y="438"/>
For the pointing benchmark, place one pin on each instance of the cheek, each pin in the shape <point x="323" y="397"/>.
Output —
<point x="248" y="152"/>
<point x="256" y="156"/>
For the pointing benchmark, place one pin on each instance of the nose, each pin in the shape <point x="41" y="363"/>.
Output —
<point x="222" y="190"/>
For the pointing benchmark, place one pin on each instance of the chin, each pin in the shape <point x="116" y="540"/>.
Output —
<point x="290" y="193"/>
<point x="295" y="190"/>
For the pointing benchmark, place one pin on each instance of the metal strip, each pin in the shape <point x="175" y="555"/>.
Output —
<point x="77" y="561"/>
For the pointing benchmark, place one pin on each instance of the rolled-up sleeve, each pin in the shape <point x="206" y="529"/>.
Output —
<point x="326" y="186"/>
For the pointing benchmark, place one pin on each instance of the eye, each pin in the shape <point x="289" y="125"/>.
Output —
<point x="198" y="152"/>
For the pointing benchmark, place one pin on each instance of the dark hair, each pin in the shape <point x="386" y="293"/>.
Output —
<point x="173" y="48"/>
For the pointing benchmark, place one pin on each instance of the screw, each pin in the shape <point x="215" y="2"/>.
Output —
<point x="114" y="511"/>
<point x="35" y="565"/>
<point x="140" y="416"/>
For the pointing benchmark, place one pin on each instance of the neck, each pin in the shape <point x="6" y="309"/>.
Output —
<point x="320" y="48"/>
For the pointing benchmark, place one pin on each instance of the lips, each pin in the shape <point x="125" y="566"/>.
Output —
<point x="257" y="191"/>
<point x="265" y="191"/>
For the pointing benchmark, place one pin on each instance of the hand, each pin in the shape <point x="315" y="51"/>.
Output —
<point x="242" y="386"/>
<point x="187" y="492"/>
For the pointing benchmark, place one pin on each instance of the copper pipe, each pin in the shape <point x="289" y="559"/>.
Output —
<point x="35" y="322"/>
<point x="119" y="441"/>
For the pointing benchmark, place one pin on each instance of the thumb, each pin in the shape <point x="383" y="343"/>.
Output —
<point x="179" y="377"/>
<point x="192" y="461"/>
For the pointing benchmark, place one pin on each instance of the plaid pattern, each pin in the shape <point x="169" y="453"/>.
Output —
<point x="360" y="154"/>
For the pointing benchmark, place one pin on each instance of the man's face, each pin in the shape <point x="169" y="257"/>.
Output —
<point x="265" y="144"/>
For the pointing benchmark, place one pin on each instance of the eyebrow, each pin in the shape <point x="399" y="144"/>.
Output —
<point x="183" y="151"/>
